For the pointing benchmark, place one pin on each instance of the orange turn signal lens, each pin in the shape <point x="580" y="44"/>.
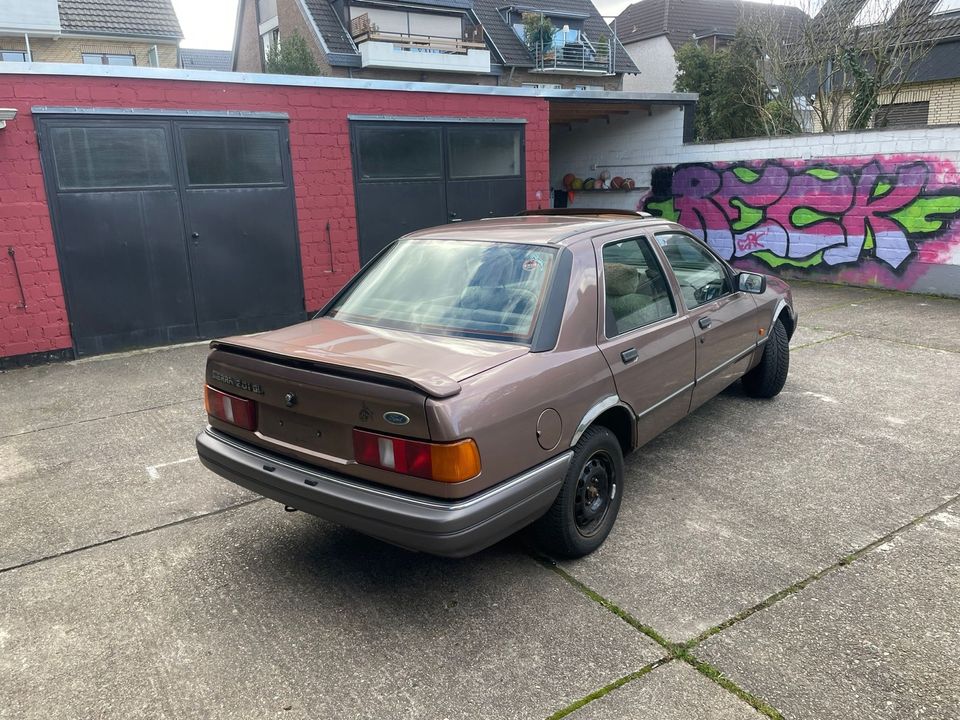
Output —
<point x="455" y="462"/>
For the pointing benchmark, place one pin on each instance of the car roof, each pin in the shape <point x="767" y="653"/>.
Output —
<point x="534" y="229"/>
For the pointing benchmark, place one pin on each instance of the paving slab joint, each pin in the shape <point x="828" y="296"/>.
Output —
<point x="677" y="651"/>
<point x="829" y="570"/>
<point x="597" y="694"/>
<point x="134" y="534"/>
<point x="821" y="341"/>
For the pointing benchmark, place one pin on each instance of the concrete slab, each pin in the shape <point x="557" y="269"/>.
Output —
<point x="747" y="497"/>
<point x="67" y="393"/>
<point x="674" y="691"/>
<point x="258" y="613"/>
<point x="809" y="297"/>
<point x="807" y="335"/>
<point x="877" y="639"/>
<point x="71" y="486"/>
<point x="927" y="321"/>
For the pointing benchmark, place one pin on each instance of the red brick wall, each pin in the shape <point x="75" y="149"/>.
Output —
<point x="320" y="149"/>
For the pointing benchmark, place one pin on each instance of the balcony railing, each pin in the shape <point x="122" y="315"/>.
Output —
<point x="363" y="30"/>
<point x="575" y="56"/>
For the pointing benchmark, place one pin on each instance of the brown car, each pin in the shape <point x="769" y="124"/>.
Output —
<point x="479" y="377"/>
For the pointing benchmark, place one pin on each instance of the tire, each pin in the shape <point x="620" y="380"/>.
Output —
<point x="586" y="508"/>
<point x="766" y="379"/>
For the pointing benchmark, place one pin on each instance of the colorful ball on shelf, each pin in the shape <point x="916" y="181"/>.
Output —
<point x="588" y="184"/>
<point x="568" y="180"/>
<point x="577" y="184"/>
<point x="616" y="182"/>
<point x="628" y="184"/>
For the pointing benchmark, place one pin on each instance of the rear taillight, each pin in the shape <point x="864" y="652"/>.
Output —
<point x="443" y="462"/>
<point x="230" y="408"/>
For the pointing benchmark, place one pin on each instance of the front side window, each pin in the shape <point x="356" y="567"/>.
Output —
<point x="108" y="59"/>
<point x="13" y="56"/>
<point x="635" y="287"/>
<point x="702" y="277"/>
<point x="462" y="288"/>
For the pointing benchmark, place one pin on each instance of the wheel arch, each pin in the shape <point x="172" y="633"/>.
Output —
<point x="783" y="314"/>
<point x="613" y="414"/>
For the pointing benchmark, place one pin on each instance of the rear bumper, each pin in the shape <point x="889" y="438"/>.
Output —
<point x="453" y="528"/>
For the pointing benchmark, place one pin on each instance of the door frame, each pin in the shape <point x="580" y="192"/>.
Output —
<point x="115" y="116"/>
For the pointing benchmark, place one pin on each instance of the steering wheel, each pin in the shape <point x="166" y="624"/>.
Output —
<point x="709" y="291"/>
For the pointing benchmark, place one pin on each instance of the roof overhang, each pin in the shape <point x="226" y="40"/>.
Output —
<point x="570" y="106"/>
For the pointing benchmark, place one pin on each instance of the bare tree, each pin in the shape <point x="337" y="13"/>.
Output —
<point x="838" y="65"/>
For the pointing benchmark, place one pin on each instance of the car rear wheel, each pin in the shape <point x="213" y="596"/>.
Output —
<point x="766" y="379"/>
<point x="584" y="511"/>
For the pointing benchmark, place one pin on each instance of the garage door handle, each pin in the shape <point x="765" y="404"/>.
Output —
<point x="195" y="236"/>
<point x="705" y="322"/>
<point x="629" y="355"/>
<point x="454" y="217"/>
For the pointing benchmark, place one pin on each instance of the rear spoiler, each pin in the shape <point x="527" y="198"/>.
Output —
<point x="428" y="382"/>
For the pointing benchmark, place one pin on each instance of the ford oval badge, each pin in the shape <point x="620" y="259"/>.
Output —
<point x="396" y="418"/>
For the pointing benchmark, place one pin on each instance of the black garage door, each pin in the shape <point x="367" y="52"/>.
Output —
<point x="412" y="175"/>
<point x="170" y="230"/>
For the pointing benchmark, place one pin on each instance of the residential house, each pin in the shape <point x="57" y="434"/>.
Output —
<point x="95" y="32"/>
<point x="653" y="30"/>
<point x="924" y="29"/>
<point x="200" y="59"/>
<point x="459" y="41"/>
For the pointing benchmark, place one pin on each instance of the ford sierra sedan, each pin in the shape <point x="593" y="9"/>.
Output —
<point x="478" y="378"/>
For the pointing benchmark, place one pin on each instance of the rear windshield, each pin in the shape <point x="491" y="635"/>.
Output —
<point x="464" y="288"/>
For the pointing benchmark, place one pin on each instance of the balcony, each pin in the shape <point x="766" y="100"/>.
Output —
<point x="578" y="56"/>
<point x="384" y="49"/>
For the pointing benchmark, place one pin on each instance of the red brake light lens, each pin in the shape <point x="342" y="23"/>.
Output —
<point x="443" y="462"/>
<point x="230" y="408"/>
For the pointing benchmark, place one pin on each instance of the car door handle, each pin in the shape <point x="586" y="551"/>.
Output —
<point x="629" y="355"/>
<point x="705" y="322"/>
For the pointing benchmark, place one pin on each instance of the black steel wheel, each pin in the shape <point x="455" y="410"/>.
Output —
<point x="586" y="507"/>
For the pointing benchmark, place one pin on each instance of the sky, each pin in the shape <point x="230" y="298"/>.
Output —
<point x="207" y="23"/>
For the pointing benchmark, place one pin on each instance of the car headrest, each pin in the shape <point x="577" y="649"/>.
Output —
<point x="620" y="279"/>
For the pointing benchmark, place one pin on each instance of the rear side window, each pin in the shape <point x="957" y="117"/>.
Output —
<point x="702" y="277"/>
<point x="635" y="288"/>
<point x="488" y="290"/>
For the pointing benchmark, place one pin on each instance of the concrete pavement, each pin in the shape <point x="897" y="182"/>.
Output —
<point x="793" y="558"/>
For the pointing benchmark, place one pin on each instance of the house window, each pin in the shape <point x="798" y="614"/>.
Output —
<point x="946" y="6"/>
<point x="108" y="59"/>
<point x="588" y="87"/>
<point x="543" y="86"/>
<point x="903" y="115"/>
<point x="13" y="56"/>
<point x="270" y="39"/>
<point x="875" y="12"/>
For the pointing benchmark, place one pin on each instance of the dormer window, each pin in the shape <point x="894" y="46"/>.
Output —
<point x="876" y="12"/>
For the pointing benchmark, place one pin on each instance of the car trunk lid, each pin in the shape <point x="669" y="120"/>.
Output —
<point x="315" y="382"/>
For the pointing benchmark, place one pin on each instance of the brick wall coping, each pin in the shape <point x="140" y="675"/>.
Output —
<point x="111" y="71"/>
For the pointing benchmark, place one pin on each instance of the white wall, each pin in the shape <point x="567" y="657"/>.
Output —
<point x="628" y="146"/>
<point x="658" y="68"/>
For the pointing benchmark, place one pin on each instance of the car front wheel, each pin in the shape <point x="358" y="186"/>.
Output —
<point x="584" y="511"/>
<point x="766" y="379"/>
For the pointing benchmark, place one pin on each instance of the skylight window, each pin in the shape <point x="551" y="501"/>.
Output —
<point x="946" y="6"/>
<point x="875" y="12"/>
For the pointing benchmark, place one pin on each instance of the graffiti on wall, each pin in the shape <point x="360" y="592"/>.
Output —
<point x="814" y="215"/>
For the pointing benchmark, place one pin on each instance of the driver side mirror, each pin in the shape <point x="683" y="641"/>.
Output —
<point x="749" y="282"/>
